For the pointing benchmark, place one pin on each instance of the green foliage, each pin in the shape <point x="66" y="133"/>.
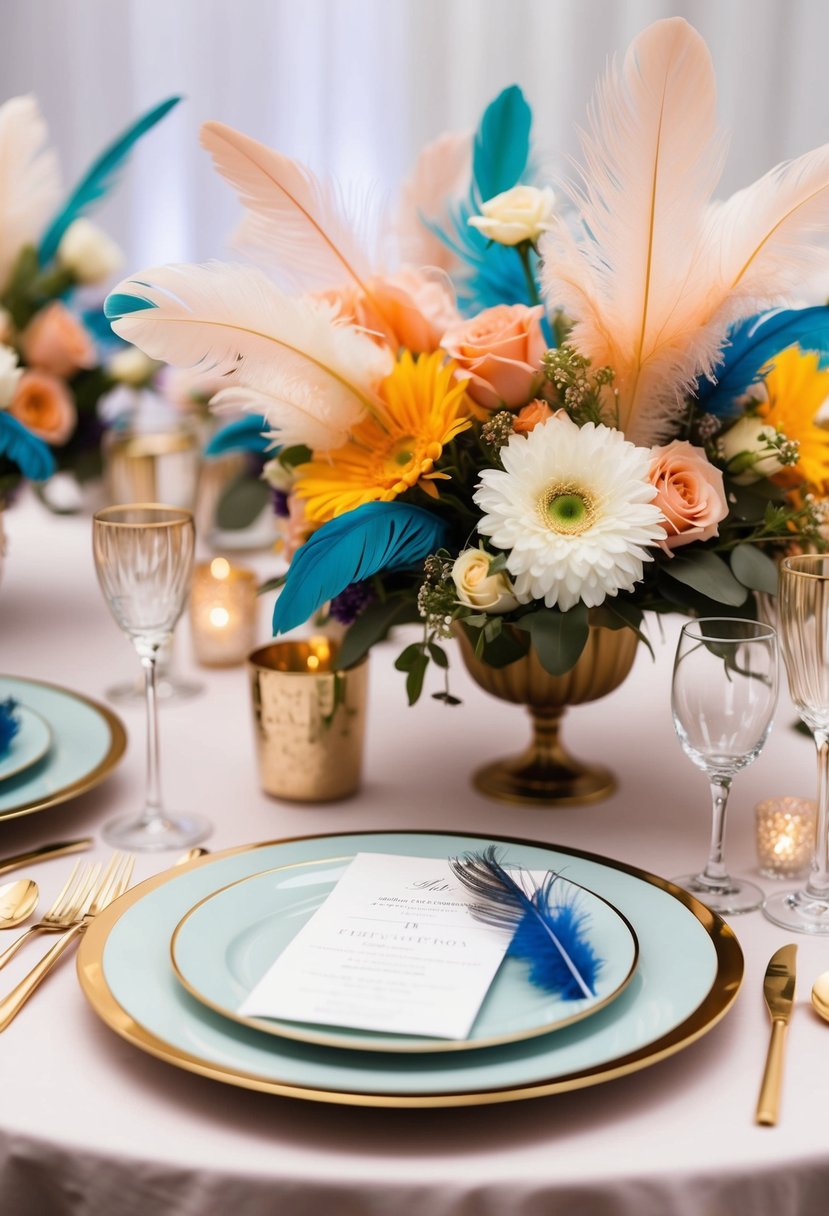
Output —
<point x="558" y="637"/>
<point x="708" y="574"/>
<point x="242" y="501"/>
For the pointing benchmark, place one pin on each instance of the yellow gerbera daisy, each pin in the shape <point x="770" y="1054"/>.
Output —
<point x="797" y="388"/>
<point x="424" y="408"/>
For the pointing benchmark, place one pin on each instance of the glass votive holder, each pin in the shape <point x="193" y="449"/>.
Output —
<point x="785" y="836"/>
<point x="142" y="465"/>
<point x="222" y="613"/>
<point x="309" y="720"/>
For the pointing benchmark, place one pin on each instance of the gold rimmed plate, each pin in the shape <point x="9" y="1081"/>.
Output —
<point x="689" y="971"/>
<point x="225" y="944"/>
<point x="87" y="741"/>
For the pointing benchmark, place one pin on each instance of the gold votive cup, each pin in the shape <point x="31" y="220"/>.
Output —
<point x="222" y="613"/>
<point x="152" y="466"/>
<point x="309" y="720"/>
<point x="785" y="836"/>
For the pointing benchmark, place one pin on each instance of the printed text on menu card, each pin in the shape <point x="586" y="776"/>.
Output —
<point x="394" y="948"/>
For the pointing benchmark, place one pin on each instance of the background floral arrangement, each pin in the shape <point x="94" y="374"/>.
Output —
<point x="576" y="413"/>
<point x="57" y="360"/>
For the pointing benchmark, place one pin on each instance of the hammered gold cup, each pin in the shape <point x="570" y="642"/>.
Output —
<point x="309" y="720"/>
<point x="546" y="774"/>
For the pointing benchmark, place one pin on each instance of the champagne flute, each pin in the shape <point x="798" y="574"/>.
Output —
<point x="144" y="560"/>
<point x="723" y="697"/>
<point x="803" y="607"/>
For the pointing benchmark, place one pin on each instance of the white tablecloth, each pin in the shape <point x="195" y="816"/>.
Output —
<point x="90" y="1125"/>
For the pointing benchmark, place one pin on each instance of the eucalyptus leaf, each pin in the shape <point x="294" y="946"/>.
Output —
<point x="508" y="647"/>
<point x="754" y="569"/>
<point x="242" y="501"/>
<point x="707" y="573"/>
<point x="414" y="680"/>
<point x="371" y="626"/>
<point x="558" y="637"/>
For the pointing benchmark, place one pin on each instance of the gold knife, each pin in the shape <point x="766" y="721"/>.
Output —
<point x="45" y="853"/>
<point x="778" y="989"/>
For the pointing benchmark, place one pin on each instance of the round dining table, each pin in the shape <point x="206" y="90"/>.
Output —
<point x="90" y="1124"/>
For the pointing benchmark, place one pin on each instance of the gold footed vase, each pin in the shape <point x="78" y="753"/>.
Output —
<point x="546" y="774"/>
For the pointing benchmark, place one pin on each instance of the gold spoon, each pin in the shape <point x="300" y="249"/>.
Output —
<point x="820" y="995"/>
<point x="17" y="901"/>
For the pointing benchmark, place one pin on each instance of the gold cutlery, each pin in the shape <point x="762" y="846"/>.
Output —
<point x="778" y="990"/>
<point x="18" y="900"/>
<point x="45" y="853"/>
<point x="820" y="995"/>
<point x="113" y="883"/>
<point x="66" y="909"/>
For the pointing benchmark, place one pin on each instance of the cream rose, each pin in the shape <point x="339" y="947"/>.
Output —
<point x="750" y="450"/>
<point x="88" y="253"/>
<point x="689" y="493"/>
<point x="519" y="214"/>
<point x="477" y="588"/>
<point x="501" y="349"/>
<point x="10" y="374"/>
<point x="131" y="366"/>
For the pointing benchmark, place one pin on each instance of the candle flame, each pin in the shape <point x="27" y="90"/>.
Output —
<point x="219" y="617"/>
<point x="220" y="569"/>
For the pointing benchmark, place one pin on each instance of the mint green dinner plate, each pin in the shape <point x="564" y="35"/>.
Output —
<point x="30" y="744"/>
<point x="87" y="743"/>
<point x="689" y="971"/>
<point x="223" y="947"/>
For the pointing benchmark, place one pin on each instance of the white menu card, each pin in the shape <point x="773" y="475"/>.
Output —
<point x="393" y="948"/>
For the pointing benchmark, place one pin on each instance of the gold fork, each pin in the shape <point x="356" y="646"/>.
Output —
<point x="66" y="909"/>
<point x="113" y="883"/>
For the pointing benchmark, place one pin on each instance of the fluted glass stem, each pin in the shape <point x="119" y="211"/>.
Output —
<point x="715" y="874"/>
<point x="152" y="798"/>
<point x="818" y="884"/>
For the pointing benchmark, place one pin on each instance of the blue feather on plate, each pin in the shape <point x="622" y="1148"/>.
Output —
<point x="752" y="344"/>
<point x="242" y="435"/>
<point x="377" y="536"/>
<point x="32" y="456"/>
<point x="9" y="723"/>
<point x="99" y="178"/>
<point x="550" y="932"/>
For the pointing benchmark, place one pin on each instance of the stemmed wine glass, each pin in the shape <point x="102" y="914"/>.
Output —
<point x="723" y="697"/>
<point x="144" y="560"/>
<point x="803" y="608"/>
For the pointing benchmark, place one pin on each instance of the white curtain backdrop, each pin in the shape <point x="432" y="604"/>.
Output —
<point x="355" y="87"/>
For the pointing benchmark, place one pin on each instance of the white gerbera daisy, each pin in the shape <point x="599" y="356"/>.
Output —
<point x="573" y="509"/>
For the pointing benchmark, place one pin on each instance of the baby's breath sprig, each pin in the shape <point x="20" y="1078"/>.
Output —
<point x="496" y="431"/>
<point x="437" y="603"/>
<point x="580" y="390"/>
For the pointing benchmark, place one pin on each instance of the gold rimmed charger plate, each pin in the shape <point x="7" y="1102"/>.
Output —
<point x="224" y="944"/>
<point x="76" y="762"/>
<point x="125" y="974"/>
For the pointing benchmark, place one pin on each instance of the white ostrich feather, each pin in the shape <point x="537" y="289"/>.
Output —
<point x="30" y="183"/>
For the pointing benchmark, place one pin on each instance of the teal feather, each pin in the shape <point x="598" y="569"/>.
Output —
<point x="752" y="344"/>
<point x="99" y="178"/>
<point x="32" y="456"/>
<point x="375" y="537"/>
<point x="242" y="435"/>
<point x="120" y="304"/>
<point x="492" y="273"/>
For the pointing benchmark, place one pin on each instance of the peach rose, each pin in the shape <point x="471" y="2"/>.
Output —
<point x="412" y="308"/>
<point x="501" y="349"/>
<point x="689" y="493"/>
<point x="531" y="416"/>
<point x="55" y="342"/>
<point x="44" y="404"/>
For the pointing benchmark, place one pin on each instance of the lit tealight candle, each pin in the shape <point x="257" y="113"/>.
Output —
<point x="222" y="613"/>
<point x="785" y="836"/>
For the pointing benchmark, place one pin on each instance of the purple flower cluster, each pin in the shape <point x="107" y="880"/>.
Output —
<point x="348" y="605"/>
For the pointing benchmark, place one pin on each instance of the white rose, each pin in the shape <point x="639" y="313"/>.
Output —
<point x="88" y="252"/>
<point x="10" y="373"/>
<point x="519" y="214"/>
<point x="131" y="366"/>
<point x="477" y="588"/>
<point x="278" y="477"/>
<point x="750" y="450"/>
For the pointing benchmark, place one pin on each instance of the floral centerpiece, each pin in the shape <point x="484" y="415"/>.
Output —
<point x="578" y="412"/>
<point x="57" y="356"/>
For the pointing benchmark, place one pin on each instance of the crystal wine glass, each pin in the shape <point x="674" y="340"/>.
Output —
<point x="803" y="608"/>
<point x="723" y="697"/>
<point x="144" y="560"/>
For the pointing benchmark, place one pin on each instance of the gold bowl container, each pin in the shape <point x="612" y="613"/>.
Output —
<point x="309" y="720"/>
<point x="545" y="774"/>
